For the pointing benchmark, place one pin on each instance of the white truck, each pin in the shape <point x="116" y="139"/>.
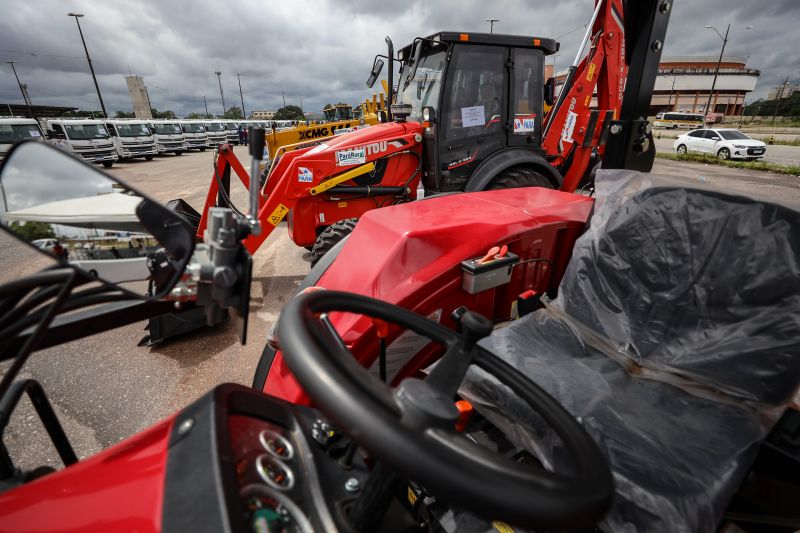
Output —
<point x="216" y="133"/>
<point x="84" y="138"/>
<point x="194" y="133"/>
<point x="132" y="138"/>
<point x="16" y="129"/>
<point x="232" y="131"/>
<point x="169" y="136"/>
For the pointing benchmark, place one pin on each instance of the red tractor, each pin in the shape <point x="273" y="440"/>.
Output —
<point x="468" y="116"/>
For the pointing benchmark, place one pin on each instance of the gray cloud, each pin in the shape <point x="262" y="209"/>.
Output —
<point x="320" y="50"/>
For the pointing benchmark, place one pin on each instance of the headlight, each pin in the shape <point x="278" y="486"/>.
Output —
<point x="740" y="146"/>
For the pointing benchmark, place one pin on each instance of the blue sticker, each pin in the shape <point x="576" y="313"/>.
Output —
<point x="304" y="175"/>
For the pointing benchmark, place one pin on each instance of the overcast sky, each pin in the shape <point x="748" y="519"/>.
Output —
<point x="320" y="51"/>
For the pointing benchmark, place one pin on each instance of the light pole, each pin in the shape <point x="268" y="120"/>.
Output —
<point x="716" y="71"/>
<point x="239" y="77"/>
<point x="669" y="102"/>
<point x="491" y="24"/>
<point x="205" y="103"/>
<point x="24" y="96"/>
<point x="221" y="96"/>
<point x="89" y="59"/>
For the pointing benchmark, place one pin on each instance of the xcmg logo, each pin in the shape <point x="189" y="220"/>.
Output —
<point x="314" y="133"/>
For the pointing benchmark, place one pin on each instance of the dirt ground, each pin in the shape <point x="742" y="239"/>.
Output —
<point x="105" y="388"/>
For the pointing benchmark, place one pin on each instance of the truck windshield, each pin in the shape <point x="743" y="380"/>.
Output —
<point x="193" y="128"/>
<point x="423" y="90"/>
<point x="81" y="132"/>
<point x="214" y="126"/>
<point x="133" y="130"/>
<point x="233" y="127"/>
<point x="166" y="129"/>
<point x="11" y="133"/>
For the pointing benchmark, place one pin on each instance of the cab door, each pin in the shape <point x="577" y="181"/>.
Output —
<point x="474" y="111"/>
<point x="526" y="101"/>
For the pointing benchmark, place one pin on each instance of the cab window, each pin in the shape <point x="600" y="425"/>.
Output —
<point x="474" y="105"/>
<point x="527" y="92"/>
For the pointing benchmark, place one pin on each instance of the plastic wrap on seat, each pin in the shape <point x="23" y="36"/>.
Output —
<point x="675" y="340"/>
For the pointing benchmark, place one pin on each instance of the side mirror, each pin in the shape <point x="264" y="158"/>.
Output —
<point x="377" y="67"/>
<point x="48" y="134"/>
<point x="97" y="223"/>
<point x="550" y="91"/>
<point x="414" y="62"/>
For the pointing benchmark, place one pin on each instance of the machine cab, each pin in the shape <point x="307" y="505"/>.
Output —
<point x="481" y="93"/>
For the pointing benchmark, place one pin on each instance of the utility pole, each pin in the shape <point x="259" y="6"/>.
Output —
<point x="491" y="22"/>
<point x="205" y="103"/>
<point x="239" y="77"/>
<point x="221" y="96"/>
<point x="669" y="103"/>
<point x="89" y="59"/>
<point x="284" y="98"/>
<point x="24" y="96"/>
<point x="716" y="71"/>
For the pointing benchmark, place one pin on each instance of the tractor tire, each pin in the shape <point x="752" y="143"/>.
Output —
<point x="515" y="177"/>
<point x="330" y="237"/>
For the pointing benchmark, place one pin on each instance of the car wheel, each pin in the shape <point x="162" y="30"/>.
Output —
<point x="724" y="153"/>
<point x="148" y="158"/>
<point x="108" y="164"/>
<point x="681" y="149"/>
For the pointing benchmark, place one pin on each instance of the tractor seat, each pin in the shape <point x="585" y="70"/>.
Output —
<point x="675" y="340"/>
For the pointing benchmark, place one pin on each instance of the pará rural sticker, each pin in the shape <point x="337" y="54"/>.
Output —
<point x="304" y="175"/>
<point x="525" y="123"/>
<point x="353" y="156"/>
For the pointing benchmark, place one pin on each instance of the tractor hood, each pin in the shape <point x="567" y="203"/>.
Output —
<point x="372" y="134"/>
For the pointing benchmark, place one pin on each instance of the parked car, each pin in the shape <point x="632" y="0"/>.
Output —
<point x="724" y="143"/>
<point x="45" y="244"/>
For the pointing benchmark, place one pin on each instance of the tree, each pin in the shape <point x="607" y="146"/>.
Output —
<point x="124" y="114"/>
<point x="234" y="113"/>
<point x="162" y="114"/>
<point x="199" y="116"/>
<point x="30" y="231"/>
<point x="290" y="112"/>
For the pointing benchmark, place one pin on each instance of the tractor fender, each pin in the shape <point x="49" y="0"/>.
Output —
<point x="511" y="157"/>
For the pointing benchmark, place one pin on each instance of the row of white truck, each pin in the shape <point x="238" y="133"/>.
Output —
<point x="109" y="140"/>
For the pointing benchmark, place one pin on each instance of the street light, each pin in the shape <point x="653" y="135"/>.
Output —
<point x="669" y="103"/>
<point x="222" y="97"/>
<point x="716" y="71"/>
<point x="491" y="24"/>
<point x="24" y="96"/>
<point x="239" y="77"/>
<point x="89" y="59"/>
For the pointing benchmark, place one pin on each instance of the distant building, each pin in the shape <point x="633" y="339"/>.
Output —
<point x="683" y="84"/>
<point x="139" y="97"/>
<point x="783" y="90"/>
<point x="262" y="115"/>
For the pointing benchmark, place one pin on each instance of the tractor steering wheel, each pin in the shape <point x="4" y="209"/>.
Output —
<point x="412" y="428"/>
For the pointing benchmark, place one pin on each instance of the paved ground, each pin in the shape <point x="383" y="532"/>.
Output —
<point x="776" y="153"/>
<point x="105" y="388"/>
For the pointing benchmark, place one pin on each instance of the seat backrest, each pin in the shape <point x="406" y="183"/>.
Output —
<point x="692" y="280"/>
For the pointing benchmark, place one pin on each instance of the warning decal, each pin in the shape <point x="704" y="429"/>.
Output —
<point x="278" y="214"/>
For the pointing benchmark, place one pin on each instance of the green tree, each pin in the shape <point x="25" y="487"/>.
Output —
<point x="162" y="114"/>
<point x="290" y="112"/>
<point x="30" y="231"/>
<point x="199" y="116"/>
<point x="124" y="114"/>
<point x="234" y="113"/>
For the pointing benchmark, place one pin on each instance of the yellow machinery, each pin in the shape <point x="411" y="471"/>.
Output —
<point x="345" y="119"/>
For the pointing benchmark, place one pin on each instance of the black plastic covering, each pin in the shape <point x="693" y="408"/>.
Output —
<point x="675" y="339"/>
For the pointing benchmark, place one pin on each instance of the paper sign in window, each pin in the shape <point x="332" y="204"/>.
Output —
<point x="472" y="116"/>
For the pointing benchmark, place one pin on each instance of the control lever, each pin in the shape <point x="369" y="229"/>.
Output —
<point x="257" y="141"/>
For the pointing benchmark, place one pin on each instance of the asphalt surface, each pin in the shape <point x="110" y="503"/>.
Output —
<point x="105" y="388"/>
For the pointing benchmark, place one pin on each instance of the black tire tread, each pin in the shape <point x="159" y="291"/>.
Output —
<point x="330" y="237"/>
<point x="515" y="177"/>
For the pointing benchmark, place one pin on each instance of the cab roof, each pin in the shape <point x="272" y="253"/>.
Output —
<point x="548" y="46"/>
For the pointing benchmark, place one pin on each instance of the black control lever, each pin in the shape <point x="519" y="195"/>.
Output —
<point x="448" y="374"/>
